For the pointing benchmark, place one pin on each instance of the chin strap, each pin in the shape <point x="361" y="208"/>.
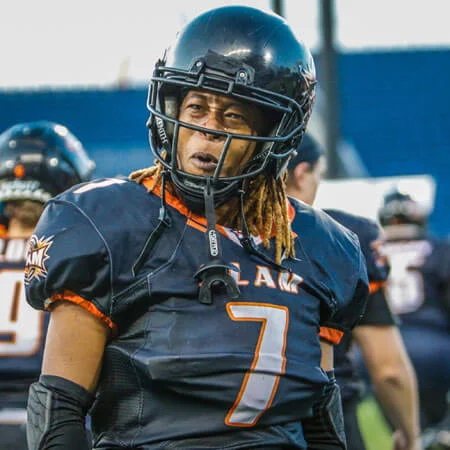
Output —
<point x="164" y="222"/>
<point x="248" y="244"/>
<point x="214" y="274"/>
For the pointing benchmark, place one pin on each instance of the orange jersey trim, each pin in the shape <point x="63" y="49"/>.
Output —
<point x="291" y="211"/>
<point x="196" y="221"/>
<point x="197" y="226"/>
<point x="86" y="305"/>
<point x="291" y="215"/>
<point x="331" y="335"/>
<point x="3" y="231"/>
<point x="376" y="286"/>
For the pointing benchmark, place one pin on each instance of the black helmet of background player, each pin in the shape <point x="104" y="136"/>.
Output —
<point x="39" y="160"/>
<point x="398" y="210"/>
<point x="243" y="52"/>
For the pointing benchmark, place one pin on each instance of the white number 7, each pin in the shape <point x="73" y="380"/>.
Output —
<point x="98" y="184"/>
<point x="261" y="381"/>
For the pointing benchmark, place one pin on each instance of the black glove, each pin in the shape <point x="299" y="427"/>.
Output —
<point x="325" y="430"/>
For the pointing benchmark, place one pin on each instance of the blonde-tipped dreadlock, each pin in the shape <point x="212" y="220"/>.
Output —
<point x="265" y="209"/>
<point x="266" y="214"/>
<point x="154" y="172"/>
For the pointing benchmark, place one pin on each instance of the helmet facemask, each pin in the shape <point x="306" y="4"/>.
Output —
<point x="286" y="123"/>
<point x="39" y="160"/>
<point x="251" y="56"/>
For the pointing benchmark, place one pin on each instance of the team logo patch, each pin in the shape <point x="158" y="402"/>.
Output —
<point x="36" y="256"/>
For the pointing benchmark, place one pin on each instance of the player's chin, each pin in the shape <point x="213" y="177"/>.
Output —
<point x="199" y="172"/>
<point x="197" y="168"/>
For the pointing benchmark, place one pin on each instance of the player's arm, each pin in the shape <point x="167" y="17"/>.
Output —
<point x="72" y="360"/>
<point x="74" y="346"/>
<point x="325" y="429"/>
<point x="393" y="379"/>
<point x="390" y="369"/>
<point x="327" y="359"/>
<point x="388" y="364"/>
<point x="73" y="282"/>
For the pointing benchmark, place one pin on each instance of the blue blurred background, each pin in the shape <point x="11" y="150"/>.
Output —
<point x="394" y="111"/>
<point x="87" y="67"/>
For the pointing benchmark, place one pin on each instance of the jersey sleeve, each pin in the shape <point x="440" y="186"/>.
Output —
<point x="67" y="258"/>
<point x="371" y="239"/>
<point x="378" y="312"/>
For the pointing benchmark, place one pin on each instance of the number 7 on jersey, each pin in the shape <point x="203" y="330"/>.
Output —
<point x="261" y="381"/>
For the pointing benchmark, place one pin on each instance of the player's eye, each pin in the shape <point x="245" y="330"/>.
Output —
<point x="236" y="118"/>
<point x="195" y="107"/>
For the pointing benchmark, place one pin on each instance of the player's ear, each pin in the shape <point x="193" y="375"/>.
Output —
<point x="300" y="171"/>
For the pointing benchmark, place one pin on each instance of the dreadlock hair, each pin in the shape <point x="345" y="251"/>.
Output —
<point x="265" y="209"/>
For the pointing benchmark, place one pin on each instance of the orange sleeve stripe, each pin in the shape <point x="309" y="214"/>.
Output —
<point x="86" y="305"/>
<point x="376" y="286"/>
<point x="331" y="335"/>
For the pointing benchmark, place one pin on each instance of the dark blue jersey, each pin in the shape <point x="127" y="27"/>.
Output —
<point x="377" y="311"/>
<point x="178" y="368"/>
<point x="419" y="285"/>
<point x="370" y="238"/>
<point x="22" y="328"/>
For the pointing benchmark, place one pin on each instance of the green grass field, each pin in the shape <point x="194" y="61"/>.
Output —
<point x="376" y="433"/>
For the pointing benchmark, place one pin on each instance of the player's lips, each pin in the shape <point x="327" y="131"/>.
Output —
<point x="204" y="161"/>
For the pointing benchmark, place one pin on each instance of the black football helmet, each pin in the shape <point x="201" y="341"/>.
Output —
<point x="246" y="53"/>
<point x="39" y="160"/>
<point x="400" y="208"/>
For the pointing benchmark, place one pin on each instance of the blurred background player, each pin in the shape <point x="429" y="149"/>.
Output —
<point x="418" y="291"/>
<point x="37" y="161"/>
<point x="384" y="354"/>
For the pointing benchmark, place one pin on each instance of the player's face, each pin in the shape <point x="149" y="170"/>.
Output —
<point x="198" y="152"/>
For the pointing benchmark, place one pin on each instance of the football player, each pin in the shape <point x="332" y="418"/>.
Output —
<point x="37" y="161"/>
<point x="187" y="300"/>
<point x="418" y="291"/>
<point x="377" y="335"/>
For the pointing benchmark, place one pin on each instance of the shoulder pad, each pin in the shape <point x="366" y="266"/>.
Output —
<point x="95" y="192"/>
<point x="336" y="260"/>
<point x="370" y="237"/>
<point x="87" y="241"/>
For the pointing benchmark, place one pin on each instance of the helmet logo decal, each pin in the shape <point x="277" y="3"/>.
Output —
<point x="36" y="256"/>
